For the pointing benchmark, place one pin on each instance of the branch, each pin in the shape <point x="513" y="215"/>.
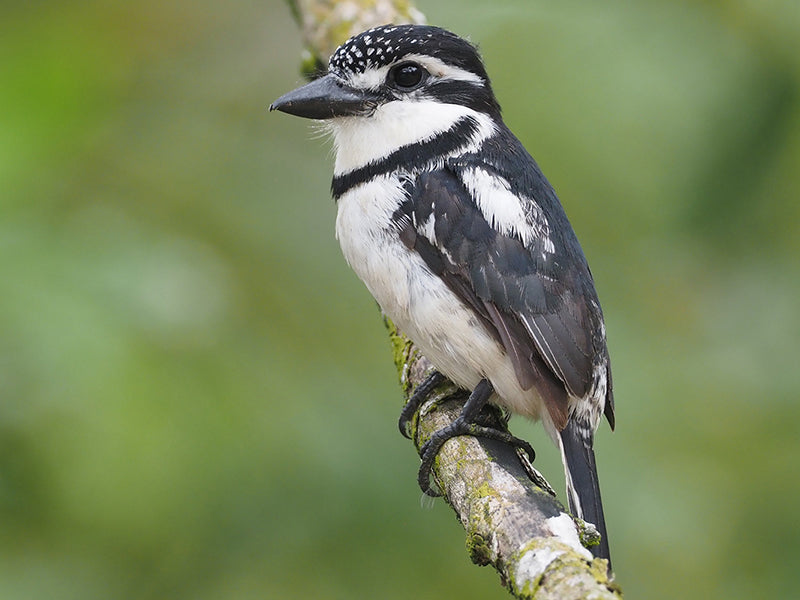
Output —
<point x="325" y="24"/>
<point x="511" y="523"/>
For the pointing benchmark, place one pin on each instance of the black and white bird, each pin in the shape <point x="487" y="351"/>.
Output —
<point x="457" y="234"/>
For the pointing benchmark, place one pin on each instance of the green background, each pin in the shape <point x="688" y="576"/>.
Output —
<point x="196" y="395"/>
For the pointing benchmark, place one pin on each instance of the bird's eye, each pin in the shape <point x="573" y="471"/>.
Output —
<point x="407" y="76"/>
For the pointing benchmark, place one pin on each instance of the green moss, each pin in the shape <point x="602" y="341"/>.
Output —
<point x="310" y="65"/>
<point x="599" y="570"/>
<point x="530" y="588"/>
<point x="588" y="535"/>
<point x="477" y="545"/>
<point x="566" y="569"/>
<point x="478" y="549"/>
<point x="486" y="491"/>
<point x="340" y="31"/>
<point x="402" y="354"/>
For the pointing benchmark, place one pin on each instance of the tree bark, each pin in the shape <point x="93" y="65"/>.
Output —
<point x="511" y="523"/>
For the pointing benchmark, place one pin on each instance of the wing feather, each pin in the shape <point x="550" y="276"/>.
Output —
<point x="532" y="302"/>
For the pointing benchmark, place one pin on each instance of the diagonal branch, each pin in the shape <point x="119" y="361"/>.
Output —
<point x="512" y="524"/>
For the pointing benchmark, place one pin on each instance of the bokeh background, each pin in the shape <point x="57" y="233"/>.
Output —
<point x="197" y="398"/>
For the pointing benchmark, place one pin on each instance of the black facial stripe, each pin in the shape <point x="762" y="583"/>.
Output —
<point x="448" y="141"/>
<point x="477" y="96"/>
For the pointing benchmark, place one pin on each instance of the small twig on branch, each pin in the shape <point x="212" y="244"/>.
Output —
<point x="511" y="523"/>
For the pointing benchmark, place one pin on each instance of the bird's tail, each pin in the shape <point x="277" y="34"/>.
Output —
<point x="583" y="487"/>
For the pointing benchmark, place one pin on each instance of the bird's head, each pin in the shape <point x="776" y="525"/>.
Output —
<point x="395" y="64"/>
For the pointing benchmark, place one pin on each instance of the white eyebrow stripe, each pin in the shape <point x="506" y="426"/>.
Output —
<point x="436" y="67"/>
<point x="372" y="79"/>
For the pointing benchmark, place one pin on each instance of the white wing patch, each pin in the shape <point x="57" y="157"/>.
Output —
<point x="427" y="227"/>
<point x="505" y="211"/>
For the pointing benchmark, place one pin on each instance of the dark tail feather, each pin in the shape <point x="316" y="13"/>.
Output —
<point x="583" y="488"/>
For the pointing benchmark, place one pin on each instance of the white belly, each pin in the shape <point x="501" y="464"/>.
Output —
<point x="419" y="303"/>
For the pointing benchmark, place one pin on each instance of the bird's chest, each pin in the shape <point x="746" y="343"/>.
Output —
<point x="418" y="302"/>
<point x="372" y="247"/>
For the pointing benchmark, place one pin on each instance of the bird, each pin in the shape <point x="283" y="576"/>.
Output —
<point x="455" y="231"/>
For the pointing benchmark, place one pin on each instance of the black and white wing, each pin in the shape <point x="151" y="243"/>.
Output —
<point x="523" y="274"/>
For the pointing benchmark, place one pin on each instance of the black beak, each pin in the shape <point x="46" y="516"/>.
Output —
<point x="325" y="98"/>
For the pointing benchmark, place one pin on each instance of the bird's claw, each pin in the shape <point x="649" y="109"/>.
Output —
<point x="423" y="391"/>
<point x="459" y="427"/>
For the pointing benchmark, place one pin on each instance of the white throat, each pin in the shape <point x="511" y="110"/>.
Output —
<point x="363" y="140"/>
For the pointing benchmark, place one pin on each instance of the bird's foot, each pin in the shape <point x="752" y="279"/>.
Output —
<point x="462" y="426"/>
<point x="533" y="473"/>
<point x="416" y="400"/>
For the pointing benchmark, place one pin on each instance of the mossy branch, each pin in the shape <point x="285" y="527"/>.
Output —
<point x="511" y="523"/>
<point x="325" y="24"/>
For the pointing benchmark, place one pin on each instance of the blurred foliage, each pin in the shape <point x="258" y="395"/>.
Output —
<point x="198" y="399"/>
